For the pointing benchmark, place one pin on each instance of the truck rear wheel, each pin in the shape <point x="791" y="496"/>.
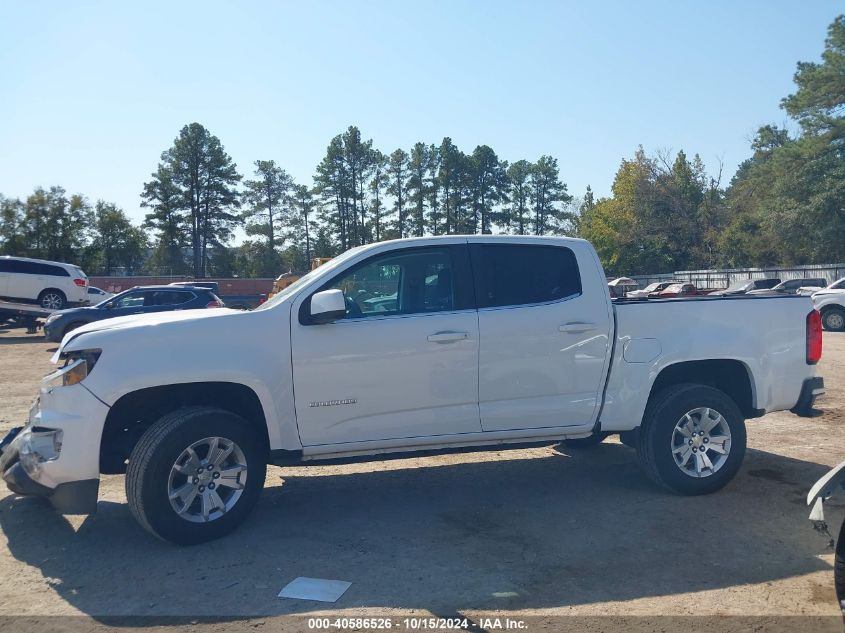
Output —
<point x="195" y="475"/>
<point x="692" y="439"/>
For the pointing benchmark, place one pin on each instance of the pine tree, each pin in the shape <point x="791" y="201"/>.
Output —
<point x="267" y="199"/>
<point x="397" y="174"/>
<point x="417" y="186"/>
<point x="519" y="178"/>
<point x="206" y="178"/>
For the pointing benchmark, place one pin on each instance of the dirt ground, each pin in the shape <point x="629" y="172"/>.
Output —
<point x="533" y="532"/>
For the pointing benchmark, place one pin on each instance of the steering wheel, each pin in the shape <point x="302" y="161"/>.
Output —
<point x="352" y="308"/>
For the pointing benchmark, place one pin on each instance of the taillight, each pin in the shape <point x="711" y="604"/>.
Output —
<point x="79" y="282"/>
<point x="814" y="337"/>
<point x="215" y="304"/>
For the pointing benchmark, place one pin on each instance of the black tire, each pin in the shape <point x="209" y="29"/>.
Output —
<point x="663" y="412"/>
<point x="839" y="567"/>
<point x="152" y="459"/>
<point x="833" y="319"/>
<point x="631" y="438"/>
<point x="52" y="299"/>
<point x="586" y="442"/>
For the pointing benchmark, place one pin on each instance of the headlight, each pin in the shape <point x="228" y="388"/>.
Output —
<point x="51" y="318"/>
<point x="76" y="368"/>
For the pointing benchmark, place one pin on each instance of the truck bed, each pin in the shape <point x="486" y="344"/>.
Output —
<point x="766" y="334"/>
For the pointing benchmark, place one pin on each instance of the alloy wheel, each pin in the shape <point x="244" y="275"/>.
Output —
<point x="51" y="301"/>
<point x="701" y="442"/>
<point x="207" y="479"/>
<point x="834" y="320"/>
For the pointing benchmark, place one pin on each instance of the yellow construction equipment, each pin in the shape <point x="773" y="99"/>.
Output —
<point x="286" y="279"/>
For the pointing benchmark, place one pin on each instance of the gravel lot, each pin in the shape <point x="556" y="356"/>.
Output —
<point x="536" y="532"/>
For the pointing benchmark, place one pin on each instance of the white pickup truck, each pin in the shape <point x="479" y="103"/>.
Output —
<point x="830" y="302"/>
<point x="422" y="344"/>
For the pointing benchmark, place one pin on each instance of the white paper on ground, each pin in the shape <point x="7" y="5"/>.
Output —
<point x="315" y="589"/>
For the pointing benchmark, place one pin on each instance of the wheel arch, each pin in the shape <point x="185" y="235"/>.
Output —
<point x="728" y="375"/>
<point x="827" y="307"/>
<point x="134" y="412"/>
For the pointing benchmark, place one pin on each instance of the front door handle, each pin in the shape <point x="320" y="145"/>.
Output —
<point x="448" y="336"/>
<point x="575" y="328"/>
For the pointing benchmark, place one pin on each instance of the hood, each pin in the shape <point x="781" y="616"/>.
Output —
<point x="823" y="293"/>
<point x="137" y="322"/>
<point x="76" y="310"/>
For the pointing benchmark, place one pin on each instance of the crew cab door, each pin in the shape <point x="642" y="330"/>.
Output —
<point x="545" y="325"/>
<point x="402" y="363"/>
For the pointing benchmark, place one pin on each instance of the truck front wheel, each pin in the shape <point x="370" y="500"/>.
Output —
<point x="692" y="439"/>
<point x="833" y="319"/>
<point x="195" y="475"/>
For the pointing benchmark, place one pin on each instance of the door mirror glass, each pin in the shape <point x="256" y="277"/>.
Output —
<point x="328" y="306"/>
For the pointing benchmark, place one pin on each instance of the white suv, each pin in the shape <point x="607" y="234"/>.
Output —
<point x="52" y="285"/>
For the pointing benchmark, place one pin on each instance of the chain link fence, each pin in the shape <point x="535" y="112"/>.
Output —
<point x="725" y="277"/>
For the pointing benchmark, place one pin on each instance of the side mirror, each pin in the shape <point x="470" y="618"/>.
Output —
<point x="109" y="305"/>
<point x="328" y="306"/>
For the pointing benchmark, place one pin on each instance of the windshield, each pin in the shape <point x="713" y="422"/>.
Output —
<point x="114" y="298"/>
<point x="651" y="287"/>
<point x="740" y="285"/>
<point x="837" y="285"/>
<point x="299" y="283"/>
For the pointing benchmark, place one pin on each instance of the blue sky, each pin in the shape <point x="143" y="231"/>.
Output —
<point x="92" y="93"/>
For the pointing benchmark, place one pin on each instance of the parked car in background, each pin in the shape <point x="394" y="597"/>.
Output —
<point x="791" y="286"/>
<point x="138" y="300"/>
<point x="515" y="340"/>
<point x="236" y="302"/>
<point x="743" y="287"/>
<point x="657" y="286"/>
<point x="831" y="303"/>
<point x="839" y="284"/>
<point x="621" y="286"/>
<point x="683" y="289"/>
<point x="52" y="285"/>
<point x="98" y="295"/>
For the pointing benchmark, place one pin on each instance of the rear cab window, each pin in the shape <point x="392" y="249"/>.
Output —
<point x="524" y="274"/>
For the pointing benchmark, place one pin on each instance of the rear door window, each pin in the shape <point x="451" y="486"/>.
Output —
<point x="168" y="297"/>
<point x="520" y="274"/>
<point x="53" y="270"/>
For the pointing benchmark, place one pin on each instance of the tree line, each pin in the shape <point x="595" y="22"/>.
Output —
<point x="785" y="204"/>
<point x="196" y="199"/>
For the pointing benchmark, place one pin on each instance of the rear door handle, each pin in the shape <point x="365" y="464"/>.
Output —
<point x="575" y="328"/>
<point x="448" y="336"/>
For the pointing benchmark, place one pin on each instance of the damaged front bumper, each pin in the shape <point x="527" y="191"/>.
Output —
<point x="20" y="462"/>
<point x="55" y="455"/>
